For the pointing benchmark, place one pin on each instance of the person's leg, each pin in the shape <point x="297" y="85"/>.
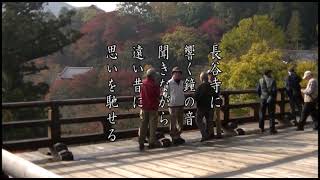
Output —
<point x="299" y="109"/>
<point x="314" y="115"/>
<point x="209" y="122"/>
<point x="180" y="117"/>
<point x="173" y="122"/>
<point x="306" y="110"/>
<point x="271" y="112"/>
<point x="262" y="113"/>
<point x="200" y="123"/>
<point x="153" y="122"/>
<point x="143" y="126"/>
<point x="293" y="108"/>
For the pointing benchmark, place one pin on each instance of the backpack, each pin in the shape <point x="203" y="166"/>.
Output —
<point x="270" y="95"/>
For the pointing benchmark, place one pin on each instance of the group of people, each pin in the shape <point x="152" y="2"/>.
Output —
<point x="267" y="90"/>
<point x="300" y="106"/>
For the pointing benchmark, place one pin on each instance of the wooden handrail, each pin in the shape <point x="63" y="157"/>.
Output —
<point x="17" y="167"/>
<point x="54" y="122"/>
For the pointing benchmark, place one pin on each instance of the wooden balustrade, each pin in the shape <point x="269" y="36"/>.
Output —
<point x="54" y="122"/>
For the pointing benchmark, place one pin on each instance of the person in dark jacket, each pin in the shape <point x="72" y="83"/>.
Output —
<point x="203" y="96"/>
<point x="293" y="90"/>
<point x="267" y="91"/>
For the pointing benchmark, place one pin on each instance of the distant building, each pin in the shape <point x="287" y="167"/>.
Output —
<point x="296" y="55"/>
<point x="69" y="72"/>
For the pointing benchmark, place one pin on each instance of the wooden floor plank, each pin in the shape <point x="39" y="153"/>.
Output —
<point x="145" y="172"/>
<point x="286" y="154"/>
<point x="165" y="170"/>
<point x="125" y="173"/>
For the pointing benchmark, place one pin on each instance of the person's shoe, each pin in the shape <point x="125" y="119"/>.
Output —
<point x="178" y="141"/>
<point x="300" y="128"/>
<point x="154" y="146"/>
<point x="204" y="139"/>
<point x="212" y="136"/>
<point x="273" y="131"/>
<point x="262" y="131"/>
<point x="182" y="141"/>
<point x="141" y="147"/>
<point x="295" y="123"/>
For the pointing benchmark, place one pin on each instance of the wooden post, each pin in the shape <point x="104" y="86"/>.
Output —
<point x="218" y="122"/>
<point x="256" y="113"/>
<point x="282" y="105"/>
<point x="54" y="130"/>
<point x="226" y="107"/>
<point x="226" y="116"/>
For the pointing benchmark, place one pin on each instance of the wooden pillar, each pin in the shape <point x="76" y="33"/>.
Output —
<point x="282" y="105"/>
<point x="218" y="122"/>
<point x="226" y="107"/>
<point x="256" y="112"/>
<point x="54" y="130"/>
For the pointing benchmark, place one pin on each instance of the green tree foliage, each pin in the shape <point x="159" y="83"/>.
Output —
<point x="233" y="12"/>
<point x="280" y="13"/>
<point x="178" y="39"/>
<point x="294" y="30"/>
<point x="36" y="36"/>
<point x="244" y="73"/>
<point x="306" y="65"/>
<point x="165" y="11"/>
<point x="193" y="13"/>
<point x="250" y="30"/>
<point x="140" y="9"/>
<point x="29" y="33"/>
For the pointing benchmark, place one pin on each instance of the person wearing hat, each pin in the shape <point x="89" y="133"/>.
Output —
<point x="175" y="94"/>
<point x="293" y="90"/>
<point x="310" y="100"/>
<point x="267" y="91"/>
<point x="150" y="98"/>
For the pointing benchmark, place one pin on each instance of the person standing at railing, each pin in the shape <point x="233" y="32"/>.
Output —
<point x="150" y="98"/>
<point x="310" y="100"/>
<point x="176" y="97"/>
<point x="293" y="90"/>
<point x="203" y="96"/>
<point x="267" y="91"/>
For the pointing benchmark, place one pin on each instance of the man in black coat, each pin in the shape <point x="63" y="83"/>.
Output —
<point x="203" y="96"/>
<point x="293" y="90"/>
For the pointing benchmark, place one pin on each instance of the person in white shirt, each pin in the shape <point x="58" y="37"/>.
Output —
<point x="310" y="100"/>
<point x="176" y="97"/>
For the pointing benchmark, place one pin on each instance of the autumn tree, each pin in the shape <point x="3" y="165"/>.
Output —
<point x="213" y="28"/>
<point x="294" y="30"/>
<point x="192" y="14"/>
<point x="303" y="65"/>
<point x="245" y="72"/>
<point x="165" y="11"/>
<point x="177" y="41"/>
<point x="35" y="35"/>
<point x="140" y="9"/>
<point x="239" y="40"/>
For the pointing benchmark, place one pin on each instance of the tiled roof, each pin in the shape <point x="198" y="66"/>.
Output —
<point x="69" y="72"/>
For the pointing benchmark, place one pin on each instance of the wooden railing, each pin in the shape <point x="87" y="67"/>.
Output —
<point x="54" y="122"/>
<point x="17" y="167"/>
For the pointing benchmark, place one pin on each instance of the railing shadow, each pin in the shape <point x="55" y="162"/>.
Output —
<point x="132" y="156"/>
